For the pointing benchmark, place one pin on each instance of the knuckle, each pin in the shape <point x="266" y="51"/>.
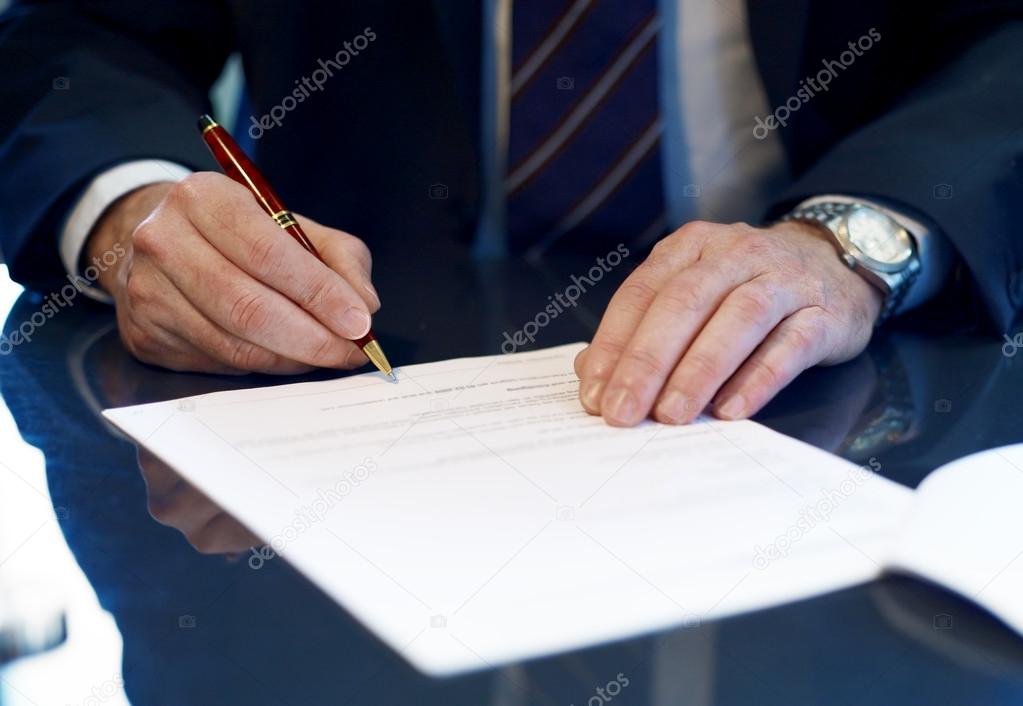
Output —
<point x="601" y="358"/>
<point x="665" y="245"/>
<point x="314" y="294"/>
<point x="801" y="338"/>
<point x="321" y="349"/>
<point x="754" y="304"/>
<point x="606" y="348"/>
<point x="768" y="374"/>
<point x="695" y="229"/>
<point x="160" y="509"/>
<point x="264" y="254"/>
<point x="669" y="251"/>
<point x="204" y="544"/>
<point x="192" y="189"/>
<point x="636" y="294"/>
<point x="136" y="289"/>
<point x="643" y="362"/>
<point x="249" y="313"/>
<point x="359" y="251"/>
<point x="685" y="298"/>
<point x="145" y="239"/>
<point x="140" y="344"/>
<point x="701" y="365"/>
<point x="244" y="355"/>
<point x="809" y="336"/>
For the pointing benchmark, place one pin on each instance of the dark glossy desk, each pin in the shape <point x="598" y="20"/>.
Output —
<point x="200" y="626"/>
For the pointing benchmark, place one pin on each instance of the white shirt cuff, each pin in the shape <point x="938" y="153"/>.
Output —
<point x="97" y="197"/>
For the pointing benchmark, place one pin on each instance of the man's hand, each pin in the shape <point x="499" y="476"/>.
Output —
<point x="206" y="281"/>
<point x="725" y="315"/>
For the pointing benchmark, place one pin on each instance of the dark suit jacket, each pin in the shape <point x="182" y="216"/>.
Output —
<point x="931" y="117"/>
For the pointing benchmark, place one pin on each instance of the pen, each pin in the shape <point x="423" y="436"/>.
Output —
<point x="239" y="167"/>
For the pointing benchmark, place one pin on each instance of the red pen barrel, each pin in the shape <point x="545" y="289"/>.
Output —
<point x="237" y="165"/>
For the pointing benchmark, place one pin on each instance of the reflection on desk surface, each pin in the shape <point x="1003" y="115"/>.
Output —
<point x="208" y="627"/>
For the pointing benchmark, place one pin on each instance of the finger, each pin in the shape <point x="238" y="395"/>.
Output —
<point x="797" y="343"/>
<point x="222" y="534"/>
<point x="671" y="323"/>
<point x="154" y="345"/>
<point x="235" y="301"/>
<point x="230" y="219"/>
<point x="580" y="361"/>
<point x="182" y="507"/>
<point x="741" y="323"/>
<point x="628" y="306"/>
<point x="215" y="350"/>
<point x="347" y="255"/>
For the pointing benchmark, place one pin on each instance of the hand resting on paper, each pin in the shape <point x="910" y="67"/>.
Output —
<point x="726" y="316"/>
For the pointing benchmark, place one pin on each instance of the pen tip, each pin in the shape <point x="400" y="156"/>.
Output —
<point x="394" y="378"/>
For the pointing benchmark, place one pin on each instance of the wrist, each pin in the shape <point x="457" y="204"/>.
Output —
<point x="816" y="236"/>
<point x="113" y="230"/>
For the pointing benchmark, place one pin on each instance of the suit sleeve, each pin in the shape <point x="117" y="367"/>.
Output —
<point x="89" y="85"/>
<point x="952" y="148"/>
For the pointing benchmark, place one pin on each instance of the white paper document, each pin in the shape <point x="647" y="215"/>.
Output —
<point x="965" y="531"/>
<point x="473" y="514"/>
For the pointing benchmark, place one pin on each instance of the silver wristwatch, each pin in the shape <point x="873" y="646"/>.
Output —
<point x="871" y="243"/>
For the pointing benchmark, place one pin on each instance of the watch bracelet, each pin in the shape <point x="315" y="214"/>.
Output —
<point x="824" y="212"/>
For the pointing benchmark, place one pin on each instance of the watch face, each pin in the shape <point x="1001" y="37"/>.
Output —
<point x="878" y="237"/>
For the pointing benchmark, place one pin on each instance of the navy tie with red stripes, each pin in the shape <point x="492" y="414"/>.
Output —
<point x="584" y="162"/>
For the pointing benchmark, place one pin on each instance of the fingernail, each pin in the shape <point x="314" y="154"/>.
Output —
<point x="733" y="408"/>
<point x="673" y="407"/>
<point x="354" y="323"/>
<point x="591" y="395"/>
<point x="620" y="405"/>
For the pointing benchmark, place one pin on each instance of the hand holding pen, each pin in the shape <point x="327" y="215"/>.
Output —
<point x="239" y="167"/>
<point x="204" y="280"/>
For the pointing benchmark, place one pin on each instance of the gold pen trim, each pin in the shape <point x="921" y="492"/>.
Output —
<point x="285" y="219"/>
<point x="376" y="356"/>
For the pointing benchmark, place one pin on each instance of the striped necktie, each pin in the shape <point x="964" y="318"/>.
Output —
<point x="584" y="162"/>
